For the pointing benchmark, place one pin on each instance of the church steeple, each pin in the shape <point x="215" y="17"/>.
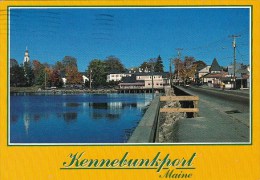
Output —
<point x="26" y="56"/>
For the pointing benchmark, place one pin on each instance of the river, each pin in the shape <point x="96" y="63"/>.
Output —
<point x="73" y="119"/>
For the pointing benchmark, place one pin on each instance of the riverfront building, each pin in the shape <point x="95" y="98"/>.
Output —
<point x="217" y="76"/>
<point x="145" y="81"/>
<point x="117" y="76"/>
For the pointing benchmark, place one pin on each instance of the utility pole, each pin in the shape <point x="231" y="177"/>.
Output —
<point x="171" y="72"/>
<point x="234" y="46"/>
<point x="179" y="58"/>
<point x="152" y="61"/>
<point x="45" y="81"/>
<point x="90" y="73"/>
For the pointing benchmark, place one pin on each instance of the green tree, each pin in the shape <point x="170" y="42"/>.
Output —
<point x="113" y="64"/>
<point x="146" y="66"/>
<point x="28" y="73"/>
<point x="17" y="77"/>
<point x="13" y="62"/>
<point x="59" y="66"/>
<point x="200" y="65"/>
<point x="69" y="61"/>
<point x="158" y="65"/>
<point x="97" y="68"/>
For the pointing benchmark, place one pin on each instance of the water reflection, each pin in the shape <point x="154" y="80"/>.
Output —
<point x="72" y="104"/>
<point x="96" y="115"/>
<point x="70" y="116"/>
<point x="36" y="117"/>
<point x="26" y="121"/>
<point x="14" y="118"/>
<point x="98" y="105"/>
<point x="108" y="116"/>
<point x="28" y="117"/>
<point x="95" y="118"/>
<point x="114" y="105"/>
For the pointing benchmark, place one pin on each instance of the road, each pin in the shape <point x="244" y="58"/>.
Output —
<point x="224" y="117"/>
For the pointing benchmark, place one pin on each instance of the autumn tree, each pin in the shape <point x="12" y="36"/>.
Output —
<point x="71" y="70"/>
<point x="59" y="66"/>
<point x="178" y="65"/>
<point x="57" y="73"/>
<point x="39" y="72"/>
<point x="188" y="69"/>
<point x="56" y="78"/>
<point x="73" y="76"/>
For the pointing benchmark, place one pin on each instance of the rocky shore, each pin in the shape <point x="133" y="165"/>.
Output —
<point x="167" y="120"/>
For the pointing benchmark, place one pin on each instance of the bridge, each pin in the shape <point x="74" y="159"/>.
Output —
<point x="224" y="116"/>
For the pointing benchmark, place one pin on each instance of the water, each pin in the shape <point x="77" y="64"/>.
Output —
<point x="81" y="118"/>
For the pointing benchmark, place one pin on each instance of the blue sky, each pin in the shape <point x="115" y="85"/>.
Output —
<point x="134" y="35"/>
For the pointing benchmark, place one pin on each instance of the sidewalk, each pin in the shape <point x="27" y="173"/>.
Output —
<point x="214" y="125"/>
<point x="242" y="91"/>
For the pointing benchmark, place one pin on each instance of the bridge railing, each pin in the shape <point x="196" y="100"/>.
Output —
<point x="145" y="132"/>
<point x="194" y="110"/>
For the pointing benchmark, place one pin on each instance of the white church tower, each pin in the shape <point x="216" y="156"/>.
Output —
<point x="26" y="56"/>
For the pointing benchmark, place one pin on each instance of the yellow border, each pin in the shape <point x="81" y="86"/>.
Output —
<point x="211" y="162"/>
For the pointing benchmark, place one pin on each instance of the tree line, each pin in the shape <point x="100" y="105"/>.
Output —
<point x="36" y="73"/>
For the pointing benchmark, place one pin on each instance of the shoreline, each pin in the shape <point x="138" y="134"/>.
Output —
<point x="60" y="91"/>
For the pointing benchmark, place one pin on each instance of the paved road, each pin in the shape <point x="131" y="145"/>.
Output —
<point x="224" y="117"/>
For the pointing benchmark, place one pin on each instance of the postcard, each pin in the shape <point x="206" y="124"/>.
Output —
<point x="127" y="89"/>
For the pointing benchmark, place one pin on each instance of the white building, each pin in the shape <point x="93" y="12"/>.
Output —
<point x="26" y="58"/>
<point x="204" y="71"/>
<point x="85" y="78"/>
<point x="117" y="76"/>
<point x="145" y="80"/>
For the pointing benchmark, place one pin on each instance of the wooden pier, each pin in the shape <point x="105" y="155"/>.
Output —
<point x="140" y="90"/>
